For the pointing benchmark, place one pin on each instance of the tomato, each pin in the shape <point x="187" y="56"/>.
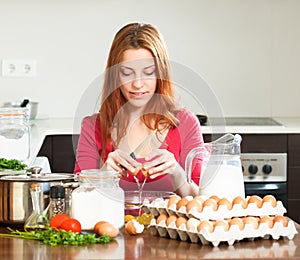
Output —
<point x="57" y="220"/>
<point x="71" y="224"/>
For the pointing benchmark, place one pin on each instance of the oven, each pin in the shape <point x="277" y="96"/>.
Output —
<point x="265" y="173"/>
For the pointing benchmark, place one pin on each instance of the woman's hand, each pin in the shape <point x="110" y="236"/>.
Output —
<point x="121" y="162"/>
<point x="160" y="162"/>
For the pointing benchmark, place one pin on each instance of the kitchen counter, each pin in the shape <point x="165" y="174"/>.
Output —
<point x="145" y="246"/>
<point x="40" y="128"/>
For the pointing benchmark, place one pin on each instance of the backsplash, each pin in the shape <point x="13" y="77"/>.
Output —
<point x="246" y="52"/>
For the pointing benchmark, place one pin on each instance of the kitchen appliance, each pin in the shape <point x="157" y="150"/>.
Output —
<point x="265" y="173"/>
<point x="15" y="198"/>
<point x="221" y="170"/>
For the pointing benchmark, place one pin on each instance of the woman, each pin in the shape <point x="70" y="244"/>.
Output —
<point x="138" y="102"/>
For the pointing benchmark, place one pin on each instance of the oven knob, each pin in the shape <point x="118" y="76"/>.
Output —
<point x="267" y="169"/>
<point x="252" y="169"/>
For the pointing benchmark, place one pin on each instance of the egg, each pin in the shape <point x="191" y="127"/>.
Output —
<point x="98" y="224"/>
<point x="237" y="221"/>
<point x="222" y="223"/>
<point x="181" y="203"/>
<point x="226" y="202"/>
<point x="180" y="221"/>
<point x="133" y="227"/>
<point x="206" y="224"/>
<point x="192" y="223"/>
<point x="107" y="228"/>
<point x="173" y="200"/>
<point x="161" y="218"/>
<point x="251" y="220"/>
<point x="171" y="219"/>
<point x="210" y="203"/>
<point x="271" y="199"/>
<point x="145" y="173"/>
<point x="255" y="199"/>
<point x="194" y="203"/>
<point x="214" y="197"/>
<point x="283" y="220"/>
<point x="199" y="198"/>
<point x="239" y="201"/>
<point x="268" y="220"/>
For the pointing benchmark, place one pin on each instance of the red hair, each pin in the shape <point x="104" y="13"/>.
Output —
<point x="161" y="109"/>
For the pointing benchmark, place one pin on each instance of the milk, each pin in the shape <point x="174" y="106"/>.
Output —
<point x="223" y="180"/>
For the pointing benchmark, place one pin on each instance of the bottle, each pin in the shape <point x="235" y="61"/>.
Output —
<point x="98" y="198"/>
<point x="57" y="201"/>
<point x="14" y="133"/>
<point x="38" y="218"/>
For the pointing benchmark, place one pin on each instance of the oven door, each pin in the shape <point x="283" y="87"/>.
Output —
<point x="277" y="189"/>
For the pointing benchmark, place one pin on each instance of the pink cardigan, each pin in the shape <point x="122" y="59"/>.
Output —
<point x="179" y="140"/>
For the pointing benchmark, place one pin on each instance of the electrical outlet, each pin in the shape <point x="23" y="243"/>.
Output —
<point x="19" y="68"/>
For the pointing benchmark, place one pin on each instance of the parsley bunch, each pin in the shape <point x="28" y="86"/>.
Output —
<point x="59" y="237"/>
<point x="12" y="164"/>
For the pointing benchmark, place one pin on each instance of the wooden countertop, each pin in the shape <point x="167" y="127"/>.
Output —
<point x="145" y="246"/>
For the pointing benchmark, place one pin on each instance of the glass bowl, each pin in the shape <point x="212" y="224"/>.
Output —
<point x="135" y="199"/>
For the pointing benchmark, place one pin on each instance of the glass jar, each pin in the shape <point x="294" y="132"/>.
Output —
<point x="14" y="133"/>
<point x="98" y="198"/>
<point x="57" y="201"/>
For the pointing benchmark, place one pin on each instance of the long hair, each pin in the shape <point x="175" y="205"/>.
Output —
<point x="161" y="109"/>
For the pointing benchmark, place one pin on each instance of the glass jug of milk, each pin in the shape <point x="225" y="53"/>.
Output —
<point x="221" y="169"/>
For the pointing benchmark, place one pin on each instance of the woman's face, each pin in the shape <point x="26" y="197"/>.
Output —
<point x="138" y="76"/>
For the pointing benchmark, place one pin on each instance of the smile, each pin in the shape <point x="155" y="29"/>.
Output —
<point x="138" y="94"/>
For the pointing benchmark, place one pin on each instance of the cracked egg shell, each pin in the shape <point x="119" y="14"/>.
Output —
<point x="271" y="199"/>
<point x="133" y="227"/>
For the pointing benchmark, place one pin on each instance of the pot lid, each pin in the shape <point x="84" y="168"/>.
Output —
<point x="40" y="177"/>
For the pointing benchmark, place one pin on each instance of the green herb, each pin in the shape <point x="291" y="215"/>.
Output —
<point x="12" y="164"/>
<point x="59" y="237"/>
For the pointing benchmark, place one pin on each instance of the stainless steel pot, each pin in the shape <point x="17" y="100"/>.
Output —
<point x="15" y="199"/>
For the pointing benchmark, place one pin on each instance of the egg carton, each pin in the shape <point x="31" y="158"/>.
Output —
<point x="160" y="206"/>
<point x="219" y="235"/>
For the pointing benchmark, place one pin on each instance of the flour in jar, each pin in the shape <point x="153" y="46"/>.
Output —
<point x="92" y="205"/>
<point x="14" y="148"/>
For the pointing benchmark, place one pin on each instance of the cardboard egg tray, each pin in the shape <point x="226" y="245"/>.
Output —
<point x="218" y="235"/>
<point x="160" y="206"/>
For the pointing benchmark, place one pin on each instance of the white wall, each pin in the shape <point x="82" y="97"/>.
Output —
<point x="248" y="51"/>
